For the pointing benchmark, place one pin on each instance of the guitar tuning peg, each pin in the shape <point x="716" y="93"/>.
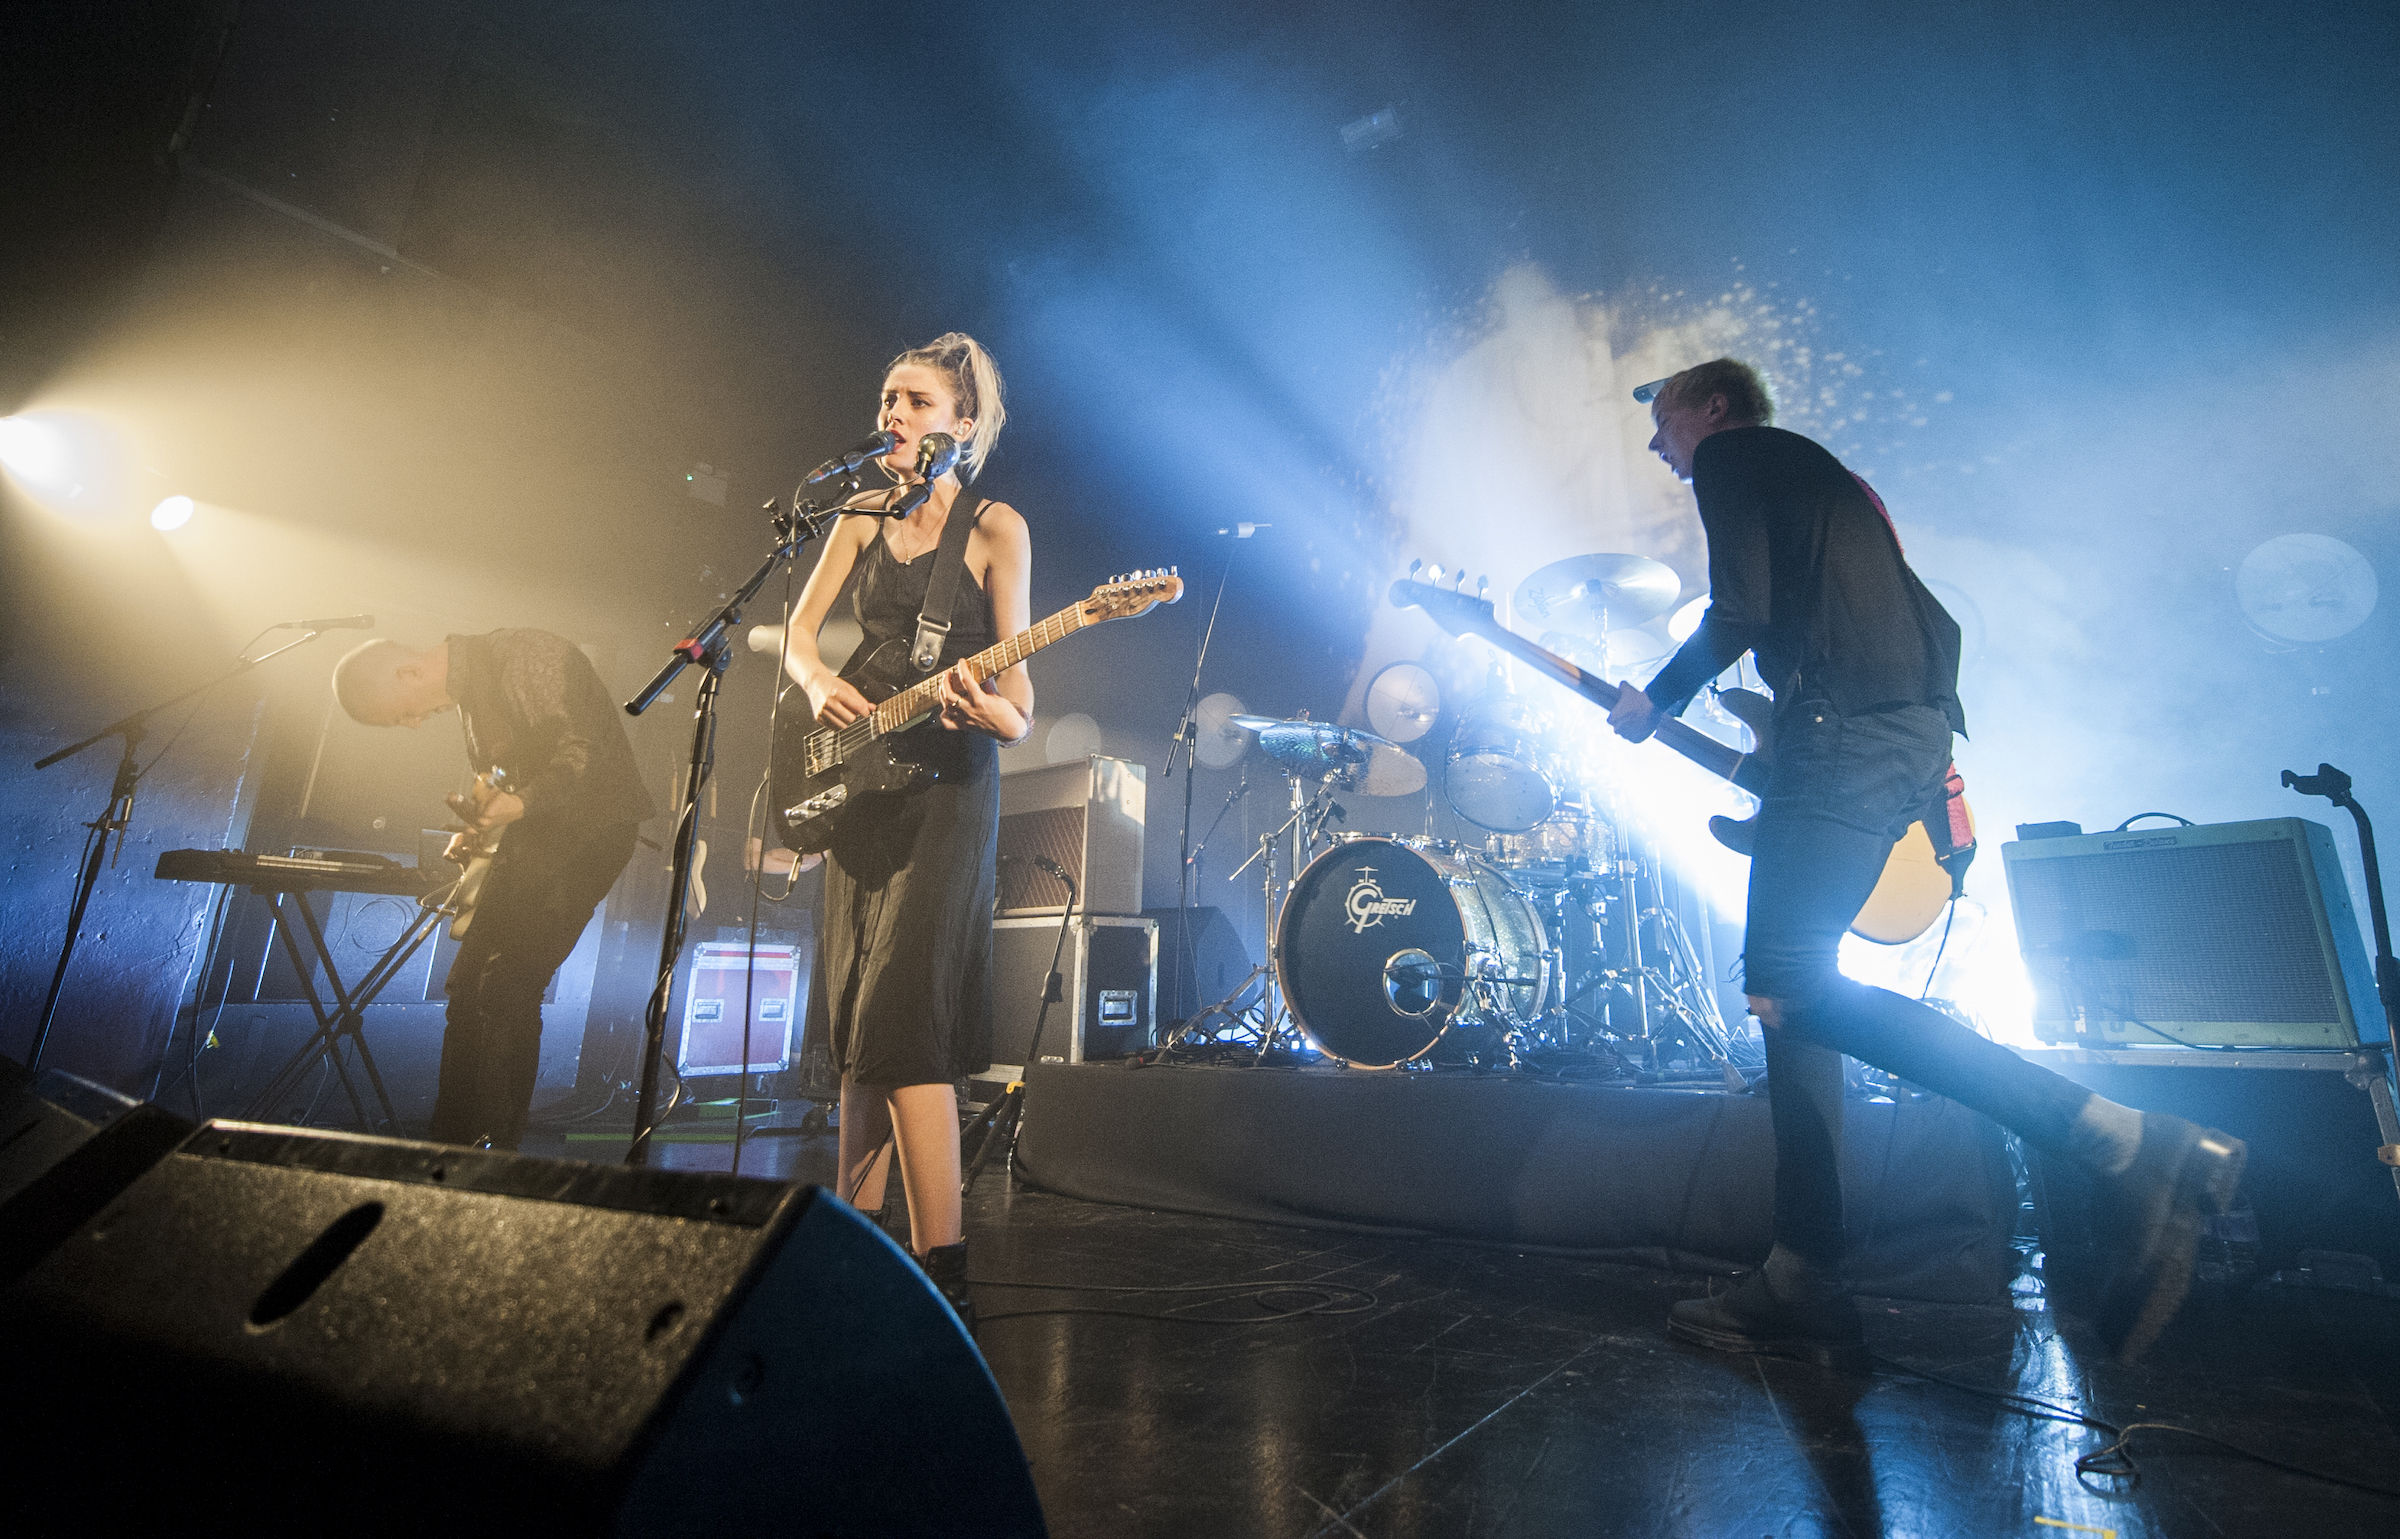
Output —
<point x="1174" y="571"/>
<point x="1416" y="566"/>
<point x="1433" y="573"/>
<point x="1483" y="585"/>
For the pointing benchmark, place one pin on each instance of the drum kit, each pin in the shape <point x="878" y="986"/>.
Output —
<point x="1551" y="943"/>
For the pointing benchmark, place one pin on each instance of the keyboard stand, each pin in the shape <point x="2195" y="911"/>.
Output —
<point x="346" y="1020"/>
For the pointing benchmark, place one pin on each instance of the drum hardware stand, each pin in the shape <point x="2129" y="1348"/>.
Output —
<point x="1267" y="1014"/>
<point x="117" y="816"/>
<point x="707" y="645"/>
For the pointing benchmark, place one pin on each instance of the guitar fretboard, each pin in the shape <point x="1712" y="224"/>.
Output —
<point x="1457" y="612"/>
<point x="836" y="744"/>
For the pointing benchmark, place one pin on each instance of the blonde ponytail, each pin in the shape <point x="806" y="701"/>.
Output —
<point x="974" y="382"/>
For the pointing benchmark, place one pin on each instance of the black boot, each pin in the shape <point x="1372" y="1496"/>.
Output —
<point x="947" y="1266"/>
<point x="2181" y="1172"/>
<point x="1748" y="1318"/>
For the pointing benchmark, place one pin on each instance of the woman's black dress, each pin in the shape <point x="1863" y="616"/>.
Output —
<point x="906" y="953"/>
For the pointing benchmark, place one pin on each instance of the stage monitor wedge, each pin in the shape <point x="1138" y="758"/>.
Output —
<point x="2214" y="935"/>
<point x="290" y="1330"/>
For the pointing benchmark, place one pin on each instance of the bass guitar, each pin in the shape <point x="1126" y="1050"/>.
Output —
<point x="1915" y="884"/>
<point x="816" y="773"/>
<point x="473" y="850"/>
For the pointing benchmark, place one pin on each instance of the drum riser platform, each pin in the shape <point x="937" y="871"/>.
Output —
<point x="1667" y="1178"/>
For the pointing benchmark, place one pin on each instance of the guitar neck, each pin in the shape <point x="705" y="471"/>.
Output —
<point x="918" y="699"/>
<point x="1715" y="757"/>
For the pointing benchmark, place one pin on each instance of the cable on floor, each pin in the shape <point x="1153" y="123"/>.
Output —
<point x="2115" y="1462"/>
<point x="1330" y="1299"/>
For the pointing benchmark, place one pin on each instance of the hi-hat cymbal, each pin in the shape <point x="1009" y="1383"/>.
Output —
<point x="1593" y="595"/>
<point x="1357" y="759"/>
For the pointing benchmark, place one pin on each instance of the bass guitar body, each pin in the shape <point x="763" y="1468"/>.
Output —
<point x="809" y="804"/>
<point x="1915" y="886"/>
<point x="817" y="775"/>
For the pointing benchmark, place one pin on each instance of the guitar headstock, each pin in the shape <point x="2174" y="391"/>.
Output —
<point x="1453" y="608"/>
<point x="1135" y="593"/>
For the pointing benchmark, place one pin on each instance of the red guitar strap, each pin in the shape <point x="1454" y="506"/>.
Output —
<point x="1953" y="831"/>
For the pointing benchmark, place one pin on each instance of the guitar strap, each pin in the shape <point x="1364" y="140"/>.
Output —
<point x="933" y="621"/>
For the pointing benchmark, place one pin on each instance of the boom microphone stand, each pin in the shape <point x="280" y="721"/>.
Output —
<point x="118" y="814"/>
<point x="1186" y="743"/>
<point x="708" y="646"/>
<point x="2334" y="786"/>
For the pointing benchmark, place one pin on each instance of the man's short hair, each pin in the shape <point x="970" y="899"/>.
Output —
<point x="366" y="674"/>
<point x="1746" y="396"/>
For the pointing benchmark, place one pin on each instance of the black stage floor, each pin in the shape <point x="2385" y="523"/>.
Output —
<point x="1475" y="1391"/>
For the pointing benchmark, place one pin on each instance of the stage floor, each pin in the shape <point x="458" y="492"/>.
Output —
<point x="1480" y="1392"/>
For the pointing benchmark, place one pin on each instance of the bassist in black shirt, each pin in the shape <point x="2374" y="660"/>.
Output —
<point x="1806" y="572"/>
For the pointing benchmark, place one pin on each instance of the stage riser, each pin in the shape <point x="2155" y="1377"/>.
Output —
<point x="1666" y="1178"/>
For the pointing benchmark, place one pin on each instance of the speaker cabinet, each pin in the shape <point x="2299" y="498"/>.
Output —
<point x="1085" y="814"/>
<point x="1108" y="973"/>
<point x="2221" y="935"/>
<point x="291" y="1329"/>
<point x="67" y="1147"/>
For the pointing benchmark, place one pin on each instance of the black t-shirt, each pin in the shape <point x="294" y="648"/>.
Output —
<point x="534" y="705"/>
<point x="1804" y="568"/>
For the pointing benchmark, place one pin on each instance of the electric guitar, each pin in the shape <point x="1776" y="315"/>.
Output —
<point x="816" y="773"/>
<point x="1914" y="887"/>
<point x="472" y="850"/>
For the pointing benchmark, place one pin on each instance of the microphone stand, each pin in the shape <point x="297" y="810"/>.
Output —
<point x="707" y="647"/>
<point x="2334" y="786"/>
<point x="1187" y="743"/>
<point x="1005" y="1118"/>
<point x="115" y="818"/>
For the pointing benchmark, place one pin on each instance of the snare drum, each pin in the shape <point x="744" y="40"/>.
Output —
<point x="1495" y="776"/>
<point x="1384" y="944"/>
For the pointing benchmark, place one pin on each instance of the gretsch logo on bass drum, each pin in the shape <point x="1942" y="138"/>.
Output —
<point x="1366" y="905"/>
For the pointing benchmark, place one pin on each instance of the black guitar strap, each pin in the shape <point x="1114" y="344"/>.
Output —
<point x="933" y="621"/>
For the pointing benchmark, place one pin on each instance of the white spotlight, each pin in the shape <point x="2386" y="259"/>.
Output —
<point x="35" y="450"/>
<point x="171" y="513"/>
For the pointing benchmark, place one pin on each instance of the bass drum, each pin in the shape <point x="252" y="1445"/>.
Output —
<point x="1384" y="944"/>
<point x="1495" y="776"/>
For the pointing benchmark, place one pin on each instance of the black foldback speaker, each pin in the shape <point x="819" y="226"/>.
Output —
<point x="282" y="1328"/>
<point x="2219" y="935"/>
<point x="67" y="1146"/>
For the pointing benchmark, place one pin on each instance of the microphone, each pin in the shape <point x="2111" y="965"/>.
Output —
<point x="1245" y="531"/>
<point x="853" y="457"/>
<point x="1055" y="869"/>
<point x="337" y="623"/>
<point x="937" y="456"/>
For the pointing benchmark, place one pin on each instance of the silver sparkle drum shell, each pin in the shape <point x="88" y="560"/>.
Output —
<point x="1494" y="775"/>
<point x="1384" y="944"/>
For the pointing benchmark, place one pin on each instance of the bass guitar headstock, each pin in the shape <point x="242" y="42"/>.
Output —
<point x="1135" y="593"/>
<point x="1453" y="608"/>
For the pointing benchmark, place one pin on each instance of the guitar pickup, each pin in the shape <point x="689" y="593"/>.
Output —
<point x="818" y="805"/>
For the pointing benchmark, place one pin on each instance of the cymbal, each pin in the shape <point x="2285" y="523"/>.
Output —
<point x="1593" y="595"/>
<point x="1403" y="701"/>
<point x="1357" y="759"/>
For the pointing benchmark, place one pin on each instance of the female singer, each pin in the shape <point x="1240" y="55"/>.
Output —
<point x="907" y="946"/>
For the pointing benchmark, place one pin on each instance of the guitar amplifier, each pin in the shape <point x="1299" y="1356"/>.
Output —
<point x="2222" y="934"/>
<point x="1085" y="814"/>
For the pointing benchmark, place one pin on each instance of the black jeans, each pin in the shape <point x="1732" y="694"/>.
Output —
<point x="1840" y="791"/>
<point x="542" y="889"/>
